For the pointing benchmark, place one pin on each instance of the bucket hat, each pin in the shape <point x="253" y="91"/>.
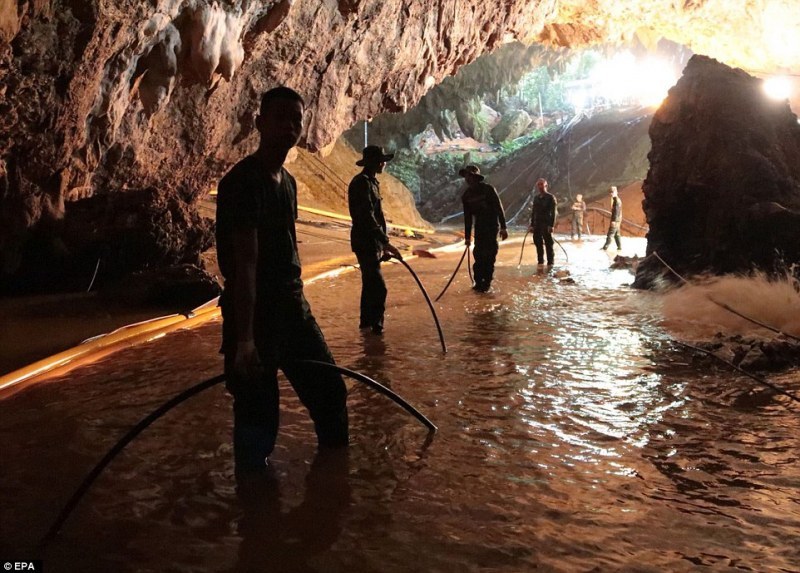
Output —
<point x="373" y="154"/>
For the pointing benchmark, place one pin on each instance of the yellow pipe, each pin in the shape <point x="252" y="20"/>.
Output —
<point x="341" y="217"/>
<point x="41" y="367"/>
<point x="103" y="345"/>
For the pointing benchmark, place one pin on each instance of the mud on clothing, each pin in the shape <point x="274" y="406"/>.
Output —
<point x="482" y="204"/>
<point x="284" y="327"/>
<point x="367" y="239"/>
<point x="543" y="219"/>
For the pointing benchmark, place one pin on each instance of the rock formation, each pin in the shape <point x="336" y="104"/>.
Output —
<point x="100" y="97"/>
<point x="722" y="194"/>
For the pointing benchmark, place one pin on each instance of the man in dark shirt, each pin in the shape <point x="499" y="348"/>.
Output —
<point x="616" y="220"/>
<point x="482" y="203"/>
<point x="543" y="220"/>
<point x="267" y="322"/>
<point x="368" y="237"/>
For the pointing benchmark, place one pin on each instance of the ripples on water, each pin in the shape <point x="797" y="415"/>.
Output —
<point x="573" y="437"/>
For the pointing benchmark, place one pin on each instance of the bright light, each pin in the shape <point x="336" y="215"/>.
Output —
<point x="624" y="79"/>
<point x="778" y="87"/>
<point x="655" y="78"/>
<point x="780" y="20"/>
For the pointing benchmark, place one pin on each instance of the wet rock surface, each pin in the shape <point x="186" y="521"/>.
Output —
<point x="723" y="191"/>
<point x="756" y="354"/>
<point x="103" y="97"/>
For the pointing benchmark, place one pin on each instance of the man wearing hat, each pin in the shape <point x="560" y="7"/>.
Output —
<point x="368" y="237"/>
<point x="482" y="203"/>
<point x="543" y="220"/>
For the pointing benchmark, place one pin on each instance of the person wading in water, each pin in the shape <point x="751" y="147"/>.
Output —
<point x="267" y="322"/>
<point x="482" y="203"/>
<point x="368" y="237"/>
<point x="543" y="220"/>
<point x="616" y="220"/>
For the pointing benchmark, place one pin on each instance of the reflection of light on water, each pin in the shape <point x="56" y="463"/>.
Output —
<point x="587" y="383"/>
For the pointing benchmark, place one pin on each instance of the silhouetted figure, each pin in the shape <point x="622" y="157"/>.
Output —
<point x="543" y="220"/>
<point x="578" y="210"/>
<point x="368" y="237"/>
<point x="482" y="203"/>
<point x="267" y="322"/>
<point x="616" y="220"/>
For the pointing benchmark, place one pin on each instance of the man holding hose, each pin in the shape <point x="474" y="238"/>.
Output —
<point x="482" y="204"/>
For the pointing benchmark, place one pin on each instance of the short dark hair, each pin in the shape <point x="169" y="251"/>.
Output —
<point x="280" y="92"/>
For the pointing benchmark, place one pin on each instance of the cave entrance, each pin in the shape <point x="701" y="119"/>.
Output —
<point x="577" y="118"/>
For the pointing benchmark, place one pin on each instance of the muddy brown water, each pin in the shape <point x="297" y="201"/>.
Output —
<point x="573" y="436"/>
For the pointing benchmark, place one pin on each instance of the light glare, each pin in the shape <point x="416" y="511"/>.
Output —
<point x="778" y="87"/>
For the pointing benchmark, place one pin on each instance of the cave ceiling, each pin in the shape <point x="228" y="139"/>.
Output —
<point x="99" y="96"/>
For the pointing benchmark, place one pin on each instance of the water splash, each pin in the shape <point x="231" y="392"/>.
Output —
<point x="691" y="313"/>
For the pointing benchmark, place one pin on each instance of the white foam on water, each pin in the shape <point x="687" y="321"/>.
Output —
<point x="690" y="311"/>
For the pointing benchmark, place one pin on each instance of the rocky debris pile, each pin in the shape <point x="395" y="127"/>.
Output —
<point x="623" y="262"/>
<point x="722" y="194"/>
<point x="753" y="354"/>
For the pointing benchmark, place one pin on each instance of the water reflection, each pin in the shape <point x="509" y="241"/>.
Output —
<point x="573" y="437"/>
<point x="286" y="541"/>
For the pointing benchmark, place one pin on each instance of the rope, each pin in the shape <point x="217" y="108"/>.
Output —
<point x="728" y="307"/>
<point x="758" y="379"/>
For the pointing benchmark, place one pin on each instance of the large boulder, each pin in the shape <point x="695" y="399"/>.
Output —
<point x="511" y="126"/>
<point x="723" y="191"/>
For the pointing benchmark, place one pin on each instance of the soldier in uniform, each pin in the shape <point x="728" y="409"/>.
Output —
<point x="368" y="237"/>
<point x="482" y="204"/>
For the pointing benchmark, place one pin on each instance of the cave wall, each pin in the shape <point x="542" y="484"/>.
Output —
<point x="103" y="96"/>
<point x="722" y="194"/>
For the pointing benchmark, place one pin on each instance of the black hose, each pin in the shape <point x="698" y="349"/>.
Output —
<point x="522" y="250"/>
<point x="562" y="248"/>
<point x="455" y="272"/>
<point x="117" y="448"/>
<point x="145" y="422"/>
<point x="378" y="387"/>
<point x="428" y="300"/>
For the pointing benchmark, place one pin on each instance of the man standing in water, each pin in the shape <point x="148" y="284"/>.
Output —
<point x="578" y="210"/>
<point x="481" y="201"/>
<point x="616" y="220"/>
<point x="368" y="237"/>
<point x="267" y="322"/>
<point x="543" y="220"/>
